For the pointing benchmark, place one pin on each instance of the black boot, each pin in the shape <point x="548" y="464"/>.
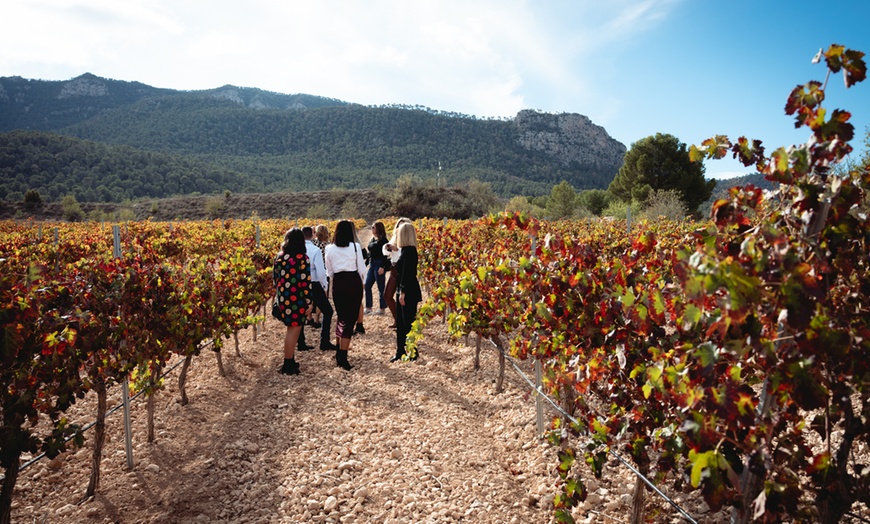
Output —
<point x="341" y="360"/>
<point x="399" y="354"/>
<point x="359" y="329"/>
<point x="301" y="345"/>
<point x="290" y="367"/>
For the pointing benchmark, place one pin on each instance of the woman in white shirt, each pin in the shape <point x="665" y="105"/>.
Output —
<point x="346" y="270"/>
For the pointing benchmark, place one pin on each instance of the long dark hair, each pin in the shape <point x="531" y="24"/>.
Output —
<point x="294" y="242"/>
<point x="343" y="233"/>
<point x="380" y="231"/>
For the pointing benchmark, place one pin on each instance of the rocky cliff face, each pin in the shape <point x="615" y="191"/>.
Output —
<point x="570" y="138"/>
<point x="85" y="85"/>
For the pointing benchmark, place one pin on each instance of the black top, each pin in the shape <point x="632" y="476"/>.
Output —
<point x="406" y="275"/>
<point x="376" y="251"/>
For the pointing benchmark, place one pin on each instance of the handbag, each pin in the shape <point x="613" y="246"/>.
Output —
<point x="276" y="310"/>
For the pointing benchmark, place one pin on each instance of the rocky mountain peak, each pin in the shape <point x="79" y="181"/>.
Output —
<point x="569" y="137"/>
<point x="84" y="85"/>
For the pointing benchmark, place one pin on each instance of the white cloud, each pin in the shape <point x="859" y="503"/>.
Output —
<point x="488" y="57"/>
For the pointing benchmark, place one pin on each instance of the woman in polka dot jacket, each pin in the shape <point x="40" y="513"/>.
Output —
<point x="292" y="277"/>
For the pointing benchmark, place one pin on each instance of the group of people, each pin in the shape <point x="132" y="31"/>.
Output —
<point x="308" y="268"/>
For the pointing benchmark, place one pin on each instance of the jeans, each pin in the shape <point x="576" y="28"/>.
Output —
<point x="373" y="277"/>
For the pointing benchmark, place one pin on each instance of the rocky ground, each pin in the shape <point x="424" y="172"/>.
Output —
<point x="424" y="441"/>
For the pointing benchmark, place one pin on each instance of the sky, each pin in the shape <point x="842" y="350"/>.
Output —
<point x="689" y="68"/>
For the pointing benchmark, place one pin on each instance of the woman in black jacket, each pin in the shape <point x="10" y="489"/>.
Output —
<point x="379" y="264"/>
<point x="408" y="293"/>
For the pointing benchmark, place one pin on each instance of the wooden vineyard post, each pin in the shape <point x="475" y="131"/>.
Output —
<point x="125" y="393"/>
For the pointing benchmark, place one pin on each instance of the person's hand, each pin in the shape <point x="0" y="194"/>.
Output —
<point x="402" y="299"/>
<point x="380" y="271"/>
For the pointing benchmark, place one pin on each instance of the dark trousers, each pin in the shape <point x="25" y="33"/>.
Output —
<point x="372" y="278"/>
<point x="321" y="302"/>
<point x="405" y="316"/>
<point x="390" y="291"/>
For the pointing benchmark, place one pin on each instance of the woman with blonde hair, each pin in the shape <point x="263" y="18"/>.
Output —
<point x="408" y="292"/>
<point x="392" y="251"/>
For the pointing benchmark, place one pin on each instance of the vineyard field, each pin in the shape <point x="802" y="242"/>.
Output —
<point x="390" y="442"/>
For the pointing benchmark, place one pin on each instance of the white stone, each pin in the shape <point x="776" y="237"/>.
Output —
<point x="348" y="465"/>
<point x="330" y="504"/>
<point x="65" y="510"/>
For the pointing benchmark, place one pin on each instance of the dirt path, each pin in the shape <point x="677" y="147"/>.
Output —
<point x="427" y="441"/>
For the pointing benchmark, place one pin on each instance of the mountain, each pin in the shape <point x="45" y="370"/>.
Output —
<point x="51" y="105"/>
<point x="254" y="140"/>
<point x="724" y="185"/>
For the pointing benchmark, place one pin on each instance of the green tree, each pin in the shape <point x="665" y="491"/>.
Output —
<point x="562" y="201"/>
<point x="595" y="200"/>
<point x="481" y="198"/>
<point x="661" y="162"/>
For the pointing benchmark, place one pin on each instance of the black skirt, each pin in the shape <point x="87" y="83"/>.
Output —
<point x="347" y="295"/>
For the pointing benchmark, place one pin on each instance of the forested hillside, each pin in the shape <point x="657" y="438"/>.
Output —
<point x="246" y="140"/>
<point x="57" y="165"/>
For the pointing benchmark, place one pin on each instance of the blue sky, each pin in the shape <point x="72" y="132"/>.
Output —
<point x="691" y="68"/>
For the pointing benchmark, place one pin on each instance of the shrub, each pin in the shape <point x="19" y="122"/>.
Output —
<point x="97" y="215"/>
<point x="72" y="210"/>
<point x="32" y="197"/>
<point x="317" y="211"/>
<point x="215" y="207"/>
<point x="125" y="215"/>
<point x="664" y="203"/>
<point x="349" y="209"/>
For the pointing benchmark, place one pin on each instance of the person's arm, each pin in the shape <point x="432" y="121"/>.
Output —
<point x="330" y="271"/>
<point x="402" y="267"/>
<point x="319" y="267"/>
<point x="360" y="264"/>
<point x="407" y="272"/>
<point x="305" y="284"/>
